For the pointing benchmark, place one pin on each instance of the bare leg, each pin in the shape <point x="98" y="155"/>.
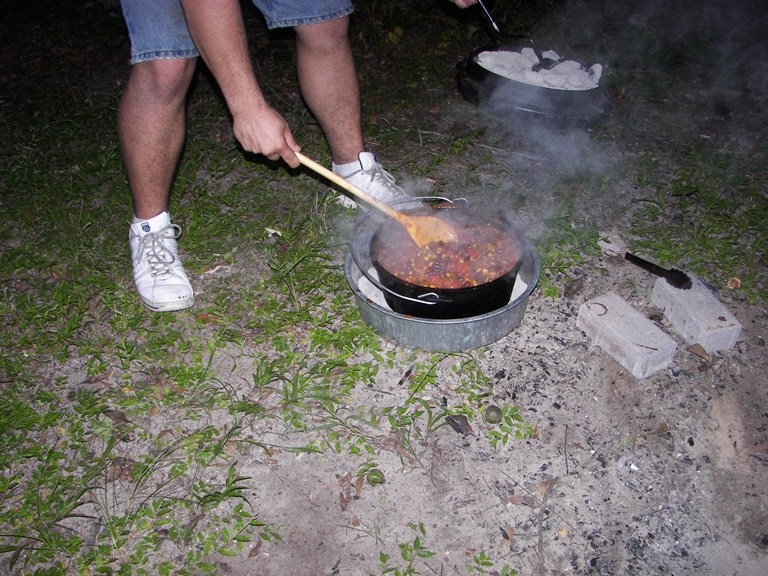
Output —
<point x="329" y="84"/>
<point x="151" y="125"/>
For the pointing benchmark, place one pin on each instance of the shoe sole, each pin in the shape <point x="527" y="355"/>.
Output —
<point x="174" y="306"/>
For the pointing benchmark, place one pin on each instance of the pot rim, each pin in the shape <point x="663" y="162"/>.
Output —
<point x="441" y="295"/>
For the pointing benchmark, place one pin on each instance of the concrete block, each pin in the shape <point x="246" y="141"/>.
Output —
<point x="697" y="315"/>
<point x="626" y="335"/>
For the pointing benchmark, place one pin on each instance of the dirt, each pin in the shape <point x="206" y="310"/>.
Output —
<point x="664" y="475"/>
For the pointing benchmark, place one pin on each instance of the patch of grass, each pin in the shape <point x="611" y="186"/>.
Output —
<point x="569" y="245"/>
<point x="708" y="216"/>
<point x="74" y="497"/>
<point x="410" y="425"/>
<point x="482" y="564"/>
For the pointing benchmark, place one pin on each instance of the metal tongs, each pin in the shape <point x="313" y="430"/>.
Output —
<point x="675" y="278"/>
<point x="491" y="21"/>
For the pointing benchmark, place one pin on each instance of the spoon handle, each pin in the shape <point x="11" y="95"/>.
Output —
<point x="349" y="187"/>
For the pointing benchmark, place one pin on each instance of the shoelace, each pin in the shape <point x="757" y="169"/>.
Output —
<point x="378" y="173"/>
<point x="159" y="256"/>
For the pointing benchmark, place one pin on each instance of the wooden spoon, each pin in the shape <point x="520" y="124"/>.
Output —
<point x="422" y="229"/>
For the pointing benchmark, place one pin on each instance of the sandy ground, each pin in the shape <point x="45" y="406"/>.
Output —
<point x="665" y="475"/>
<point x="661" y="476"/>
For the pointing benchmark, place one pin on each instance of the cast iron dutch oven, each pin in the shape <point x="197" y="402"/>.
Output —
<point x="448" y="280"/>
<point x="503" y="96"/>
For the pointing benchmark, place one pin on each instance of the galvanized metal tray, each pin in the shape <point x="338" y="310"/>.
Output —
<point x="452" y="335"/>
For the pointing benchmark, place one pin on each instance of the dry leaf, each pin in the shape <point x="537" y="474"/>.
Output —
<point x="271" y="451"/>
<point x="661" y="428"/>
<point x="355" y="521"/>
<point x="525" y="500"/>
<point x="345" y="490"/>
<point x="572" y="288"/>
<point x="117" y="416"/>
<point x="530" y="501"/>
<point x="760" y="452"/>
<point x="514" y="499"/>
<point x="460" y="423"/>
<point x="98" y="379"/>
<point x="698" y="350"/>
<point x="256" y="548"/>
<point x="215" y="268"/>
<point x="230" y="448"/>
<point x="544" y="486"/>
<point x="359" y="485"/>
<point x="120" y="469"/>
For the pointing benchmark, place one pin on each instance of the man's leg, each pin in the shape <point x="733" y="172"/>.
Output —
<point x="328" y="79"/>
<point x="151" y="127"/>
<point x="329" y="84"/>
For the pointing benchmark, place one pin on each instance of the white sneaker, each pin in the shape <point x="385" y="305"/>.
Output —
<point x="370" y="177"/>
<point x="159" y="275"/>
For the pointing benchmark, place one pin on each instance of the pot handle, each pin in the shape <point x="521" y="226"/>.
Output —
<point x="429" y="298"/>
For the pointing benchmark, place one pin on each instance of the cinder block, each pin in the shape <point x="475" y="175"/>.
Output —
<point x="697" y="315"/>
<point x="626" y="335"/>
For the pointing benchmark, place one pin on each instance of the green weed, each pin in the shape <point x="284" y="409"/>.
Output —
<point x="410" y="553"/>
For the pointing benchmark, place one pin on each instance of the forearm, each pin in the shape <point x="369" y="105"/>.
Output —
<point x="219" y="33"/>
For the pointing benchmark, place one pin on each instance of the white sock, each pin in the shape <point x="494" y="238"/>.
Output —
<point x="365" y="161"/>
<point x="154" y="223"/>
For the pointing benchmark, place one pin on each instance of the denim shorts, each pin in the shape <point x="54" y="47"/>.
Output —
<point x="157" y="28"/>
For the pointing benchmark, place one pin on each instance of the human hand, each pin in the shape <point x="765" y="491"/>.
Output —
<point x="262" y="130"/>
<point x="464" y="3"/>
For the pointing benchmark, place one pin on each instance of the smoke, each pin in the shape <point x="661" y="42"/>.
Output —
<point x="672" y="72"/>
